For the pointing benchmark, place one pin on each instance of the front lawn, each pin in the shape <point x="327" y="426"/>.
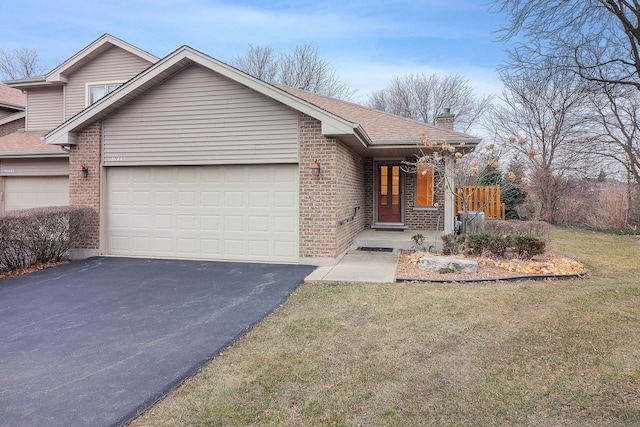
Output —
<point x="550" y="353"/>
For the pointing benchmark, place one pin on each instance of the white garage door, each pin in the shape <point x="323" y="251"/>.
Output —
<point x="247" y="213"/>
<point x="25" y="192"/>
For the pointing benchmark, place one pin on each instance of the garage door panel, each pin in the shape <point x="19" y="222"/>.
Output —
<point x="245" y="213"/>
<point x="26" y="192"/>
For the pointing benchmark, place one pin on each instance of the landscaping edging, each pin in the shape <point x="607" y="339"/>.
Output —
<point x="499" y="279"/>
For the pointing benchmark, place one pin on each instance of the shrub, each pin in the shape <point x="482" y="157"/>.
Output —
<point x="477" y="243"/>
<point x="418" y="242"/>
<point x="41" y="235"/>
<point x="539" y="229"/>
<point x="453" y="244"/>
<point x="499" y="244"/>
<point x="529" y="246"/>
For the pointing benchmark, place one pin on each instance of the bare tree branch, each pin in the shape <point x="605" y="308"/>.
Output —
<point x="597" y="39"/>
<point x="422" y="97"/>
<point x="304" y="68"/>
<point x="19" y="63"/>
<point x="259" y="61"/>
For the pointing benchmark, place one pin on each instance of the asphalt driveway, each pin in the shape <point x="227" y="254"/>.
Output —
<point x="95" y="342"/>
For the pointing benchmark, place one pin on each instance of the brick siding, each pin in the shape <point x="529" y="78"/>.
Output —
<point x="328" y="202"/>
<point x="11" y="127"/>
<point x="422" y="218"/>
<point x="86" y="191"/>
<point x="368" y="192"/>
<point x="414" y="218"/>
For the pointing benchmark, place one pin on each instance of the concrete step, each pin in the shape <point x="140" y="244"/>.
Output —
<point x="395" y="239"/>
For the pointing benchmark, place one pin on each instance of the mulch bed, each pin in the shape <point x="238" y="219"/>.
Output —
<point x="548" y="267"/>
<point x="26" y="270"/>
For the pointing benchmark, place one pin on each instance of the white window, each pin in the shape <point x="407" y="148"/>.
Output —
<point x="97" y="91"/>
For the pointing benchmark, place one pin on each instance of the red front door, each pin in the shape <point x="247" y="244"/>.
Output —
<point x="389" y="193"/>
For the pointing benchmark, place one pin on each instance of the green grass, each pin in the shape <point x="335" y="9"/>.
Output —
<point x="562" y="353"/>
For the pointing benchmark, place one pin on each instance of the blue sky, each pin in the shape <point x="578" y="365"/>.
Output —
<point x="367" y="42"/>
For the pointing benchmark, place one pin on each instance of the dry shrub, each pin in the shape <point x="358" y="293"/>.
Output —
<point x="599" y="203"/>
<point x="40" y="235"/>
<point x="514" y="227"/>
<point x="611" y="207"/>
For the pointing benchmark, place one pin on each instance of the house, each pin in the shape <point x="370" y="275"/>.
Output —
<point x="192" y="158"/>
<point x="33" y="173"/>
<point x="12" y="110"/>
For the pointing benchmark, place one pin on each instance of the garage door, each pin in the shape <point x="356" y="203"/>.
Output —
<point x="25" y="192"/>
<point x="247" y="213"/>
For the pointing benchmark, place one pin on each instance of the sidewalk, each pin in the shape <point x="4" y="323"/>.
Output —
<point x="360" y="266"/>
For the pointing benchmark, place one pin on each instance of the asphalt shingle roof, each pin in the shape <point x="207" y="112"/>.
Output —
<point x="379" y="125"/>
<point x="27" y="142"/>
<point x="12" y="96"/>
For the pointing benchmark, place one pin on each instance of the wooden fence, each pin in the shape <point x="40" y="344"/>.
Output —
<point x="480" y="198"/>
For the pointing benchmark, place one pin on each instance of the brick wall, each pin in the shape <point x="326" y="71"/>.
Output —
<point x="86" y="191"/>
<point x="368" y="192"/>
<point x="351" y="196"/>
<point x="11" y="127"/>
<point x="328" y="201"/>
<point x="422" y="218"/>
<point x="415" y="218"/>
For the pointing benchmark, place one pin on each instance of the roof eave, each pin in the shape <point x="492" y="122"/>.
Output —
<point x="29" y="154"/>
<point x="416" y="142"/>
<point x="10" y="106"/>
<point x="26" y="83"/>
<point x="13" y="117"/>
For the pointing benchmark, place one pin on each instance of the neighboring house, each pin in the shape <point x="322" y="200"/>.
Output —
<point x="33" y="173"/>
<point x="12" y="110"/>
<point x="192" y="158"/>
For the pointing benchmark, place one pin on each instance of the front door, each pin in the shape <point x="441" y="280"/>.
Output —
<point x="389" y="193"/>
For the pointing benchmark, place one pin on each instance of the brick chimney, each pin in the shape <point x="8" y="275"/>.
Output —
<point x="445" y="119"/>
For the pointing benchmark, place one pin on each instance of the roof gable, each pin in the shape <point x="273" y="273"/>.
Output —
<point x="178" y="60"/>
<point x="359" y="127"/>
<point x="60" y="74"/>
<point x="86" y="55"/>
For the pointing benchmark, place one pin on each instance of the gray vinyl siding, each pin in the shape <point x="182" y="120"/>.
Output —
<point x="44" y="108"/>
<point x="199" y="117"/>
<point x="34" y="167"/>
<point x="113" y="66"/>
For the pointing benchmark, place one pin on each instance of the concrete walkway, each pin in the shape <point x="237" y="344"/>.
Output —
<point x="360" y="266"/>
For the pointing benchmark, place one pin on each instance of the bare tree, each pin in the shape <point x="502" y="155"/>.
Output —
<point x="542" y="111"/>
<point x="18" y="63"/>
<point x="597" y="39"/>
<point x="422" y="97"/>
<point x="615" y="126"/>
<point x="304" y="68"/>
<point x="259" y="61"/>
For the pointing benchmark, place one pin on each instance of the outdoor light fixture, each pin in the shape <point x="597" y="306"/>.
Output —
<point x="83" y="171"/>
<point x="315" y="168"/>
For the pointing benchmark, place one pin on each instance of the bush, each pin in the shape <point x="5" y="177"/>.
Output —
<point x="453" y="244"/>
<point x="477" y="243"/>
<point x="525" y="246"/>
<point x="41" y="235"/>
<point x="499" y="244"/>
<point x="539" y="229"/>
<point x="529" y="246"/>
